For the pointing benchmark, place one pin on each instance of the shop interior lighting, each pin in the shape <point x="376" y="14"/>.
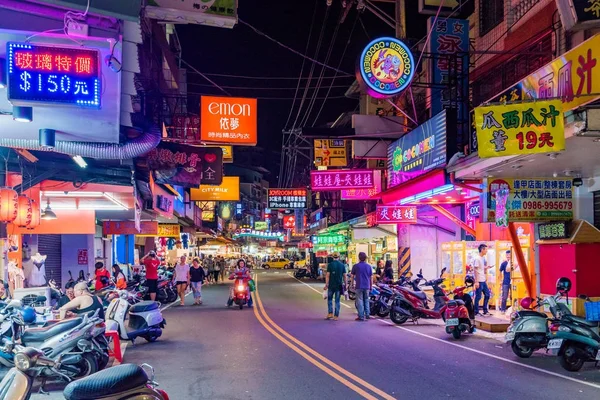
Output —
<point x="47" y="138"/>
<point x="430" y="195"/>
<point x="116" y="203"/>
<point x="48" y="214"/>
<point x="22" y="114"/>
<point x="80" y="161"/>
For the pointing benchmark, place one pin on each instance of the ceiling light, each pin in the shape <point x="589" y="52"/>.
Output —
<point x="80" y="161"/>
<point x="47" y="138"/>
<point x="22" y="114"/>
<point x="48" y="213"/>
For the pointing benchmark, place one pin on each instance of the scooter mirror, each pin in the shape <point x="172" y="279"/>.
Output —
<point x="443" y="272"/>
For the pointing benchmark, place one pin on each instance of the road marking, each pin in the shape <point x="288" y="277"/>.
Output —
<point x="483" y="353"/>
<point x="323" y="359"/>
<point x="312" y="288"/>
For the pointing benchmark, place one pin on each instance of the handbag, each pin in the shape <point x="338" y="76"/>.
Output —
<point x="251" y="285"/>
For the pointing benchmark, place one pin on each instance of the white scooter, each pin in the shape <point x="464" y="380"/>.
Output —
<point x="145" y="318"/>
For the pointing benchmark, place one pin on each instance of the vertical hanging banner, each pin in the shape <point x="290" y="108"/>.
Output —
<point x="518" y="129"/>
<point x="186" y="166"/>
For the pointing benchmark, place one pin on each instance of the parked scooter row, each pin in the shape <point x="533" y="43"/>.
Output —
<point x="573" y="339"/>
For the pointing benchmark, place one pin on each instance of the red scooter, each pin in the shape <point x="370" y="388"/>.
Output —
<point x="459" y="313"/>
<point x="240" y="294"/>
<point x="414" y="304"/>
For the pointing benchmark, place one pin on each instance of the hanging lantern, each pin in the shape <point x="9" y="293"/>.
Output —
<point x="8" y="205"/>
<point x="35" y="215"/>
<point x="24" y="212"/>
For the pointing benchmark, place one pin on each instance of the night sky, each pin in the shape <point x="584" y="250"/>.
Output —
<point x="240" y="51"/>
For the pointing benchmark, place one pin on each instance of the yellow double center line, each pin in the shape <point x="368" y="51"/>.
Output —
<point x="340" y="374"/>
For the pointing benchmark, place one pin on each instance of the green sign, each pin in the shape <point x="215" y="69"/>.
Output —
<point x="329" y="239"/>
<point x="553" y="230"/>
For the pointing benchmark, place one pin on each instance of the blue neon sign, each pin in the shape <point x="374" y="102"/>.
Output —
<point x="53" y="75"/>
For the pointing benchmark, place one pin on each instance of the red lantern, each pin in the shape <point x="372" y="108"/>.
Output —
<point x="35" y="215"/>
<point x="24" y="212"/>
<point x="8" y="205"/>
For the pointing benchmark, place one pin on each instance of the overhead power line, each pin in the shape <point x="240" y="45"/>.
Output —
<point x="274" y="98"/>
<point x="292" y="50"/>
<point x="263" y="88"/>
<point x="261" y="78"/>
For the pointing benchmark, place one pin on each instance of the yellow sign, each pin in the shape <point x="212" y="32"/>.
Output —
<point x="166" y="230"/>
<point x="227" y="154"/>
<point x="517" y="129"/>
<point x="330" y="153"/>
<point x="572" y="78"/>
<point x="229" y="190"/>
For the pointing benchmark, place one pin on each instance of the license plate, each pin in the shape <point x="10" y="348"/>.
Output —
<point x="509" y="337"/>
<point x="555" y="344"/>
<point x="452" y="322"/>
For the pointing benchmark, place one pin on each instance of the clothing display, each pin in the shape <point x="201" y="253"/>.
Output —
<point x="38" y="272"/>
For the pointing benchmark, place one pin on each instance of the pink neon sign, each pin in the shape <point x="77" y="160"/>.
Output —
<point x="396" y="214"/>
<point x="342" y="179"/>
<point x="364" y="194"/>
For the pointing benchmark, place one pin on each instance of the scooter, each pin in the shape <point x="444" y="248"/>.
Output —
<point x="145" y="318"/>
<point x="414" y="304"/>
<point x="575" y="341"/>
<point x="241" y="293"/>
<point x="126" y="381"/>
<point x="459" y="313"/>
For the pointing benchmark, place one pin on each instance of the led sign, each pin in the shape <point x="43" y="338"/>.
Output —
<point x="53" y="75"/>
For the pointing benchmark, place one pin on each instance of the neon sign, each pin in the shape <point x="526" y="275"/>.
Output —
<point x="342" y="179"/>
<point x="386" y="67"/>
<point x="396" y="214"/>
<point x="53" y="75"/>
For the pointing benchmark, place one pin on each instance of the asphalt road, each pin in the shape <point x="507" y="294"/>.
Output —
<point x="284" y="349"/>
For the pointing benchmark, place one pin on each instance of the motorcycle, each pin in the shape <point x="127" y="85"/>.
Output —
<point x="241" y="292"/>
<point x="575" y="341"/>
<point x="304" y="272"/>
<point x="459" y="314"/>
<point x="414" y="304"/>
<point x="145" y="318"/>
<point x="126" y="381"/>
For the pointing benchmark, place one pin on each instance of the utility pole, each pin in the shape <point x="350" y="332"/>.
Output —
<point x="400" y="18"/>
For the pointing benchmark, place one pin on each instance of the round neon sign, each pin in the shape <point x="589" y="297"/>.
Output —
<point x="386" y="67"/>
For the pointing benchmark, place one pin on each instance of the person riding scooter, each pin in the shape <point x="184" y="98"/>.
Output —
<point x="241" y="272"/>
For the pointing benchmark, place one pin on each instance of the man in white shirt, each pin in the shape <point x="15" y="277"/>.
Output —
<point x="480" y="267"/>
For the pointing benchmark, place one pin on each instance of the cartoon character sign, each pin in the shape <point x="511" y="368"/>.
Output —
<point x="386" y="67"/>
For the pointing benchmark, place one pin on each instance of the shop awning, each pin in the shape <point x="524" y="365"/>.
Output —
<point x="429" y="181"/>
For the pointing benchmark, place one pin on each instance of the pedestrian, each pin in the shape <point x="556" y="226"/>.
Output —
<point x="379" y="270"/>
<point x="506" y="269"/>
<point x="210" y="265"/>
<point x="335" y="279"/>
<point x="102" y="276"/>
<point x="181" y="277"/>
<point x="196" y="280"/>
<point x="151" y="263"/>
<point x="223" y="266"/>
<point x="388" y="272"/>
<point x="119" y="277"/>
<point x="480" y="266"/>
<point x="217" y="271"/>
<point x="362" y="276"/>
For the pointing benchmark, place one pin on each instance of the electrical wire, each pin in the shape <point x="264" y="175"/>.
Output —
<point x="204" y="76"/>
<point x="260" y="88"/>
<point x="262" y="78"/>
<point x="258" y="32"/>
<point x="271" y="98"/>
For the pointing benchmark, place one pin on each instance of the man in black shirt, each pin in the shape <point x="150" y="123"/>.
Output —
<point x="505" y="269"/>
<point x="334" y="282"/>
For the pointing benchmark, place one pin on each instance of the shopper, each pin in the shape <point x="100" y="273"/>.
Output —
<point x="362" y="276"/>
<point x="506" y="269"/>
<point x="102" y="276"/>
<point x="480" y="266"/>
<point x="334" y="284"/>
<point x="197" y="277"/>
<point x="379" y="270"/>
<point x="388" y="272"/>
<point x="223" y="266"/>
<point x="119" y="277"/>
<point x="217" y="271"/>
<point x="84" y="302"/>
<point x="181" y="277"/>
<point x="151" y="263"/>
<point x="210" y="265"/>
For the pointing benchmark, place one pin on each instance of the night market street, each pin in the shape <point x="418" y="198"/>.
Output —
<point x="285" y="349"/>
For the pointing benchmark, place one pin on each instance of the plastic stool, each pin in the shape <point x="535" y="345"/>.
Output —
<point x="116" y="350"/>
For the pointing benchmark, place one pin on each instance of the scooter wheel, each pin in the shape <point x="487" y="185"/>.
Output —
<point x="456" y="333"/>
<point x="523" y="352"/>
<point x="398" y="318"/>
<point x="241" y="306"/>
<point x="87" y="366"/>
<point x="570" y="360"/>
<point x="151" y="338"/>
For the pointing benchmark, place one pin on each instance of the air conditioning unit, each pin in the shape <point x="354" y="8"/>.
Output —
<point x="28" y="296"/>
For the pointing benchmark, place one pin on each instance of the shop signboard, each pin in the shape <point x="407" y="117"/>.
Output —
<point x="228" y="120"/>
<point x="305" y="245"/>
<point x="128" y="228"/>
<point x="247" y="232"/>
<point x="396" y="214"/>
<point x="334" y="238"/>
<point x="225" y="211"/>
<point x="530" y="200"/>
<point x="421" y="150"/>
<point x="371" y="219"/>
<point x="553" y="230"/>
<point x="449" y="45"/>
<point x="178" y="201"/>
<point x="228" y="190"/>
<point x="82" y="256"/>
<point x="342" y="179"/>
<point x="520" y="129"/>
<point x="568" y="78"/>
<point x="472" y="210"/>
<point x="289" y="221"/>
<point x="386" y="67"/>
<point x="322" y="253"/>
<point x="330" y="153"/>
<point x="165" y="230"/>
<point x="260" y="225"/>
<point x="66" y="76"/>
<point x="287" y="198"/>
<point x="364" y="194"/>
<point x="187" y="166"/>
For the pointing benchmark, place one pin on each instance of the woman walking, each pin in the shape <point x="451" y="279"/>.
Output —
<point x="181" y="277"/>
<point x="197" y="276"/>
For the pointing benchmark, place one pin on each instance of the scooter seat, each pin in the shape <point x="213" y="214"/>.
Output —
<point x="144" y="306"/>
<point x="455" y="303"/>
<point x="42" y="334"/>
<point x="118" y="379"/>
<point x="580" y="320"/>
<point x="531" y="313"/>
<point x="420" y="295"/>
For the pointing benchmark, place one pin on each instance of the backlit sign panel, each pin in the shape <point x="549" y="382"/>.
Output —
<point x="287" y="198"/>
<point x="342" y="179"/>
<point x="53" y="75"/>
